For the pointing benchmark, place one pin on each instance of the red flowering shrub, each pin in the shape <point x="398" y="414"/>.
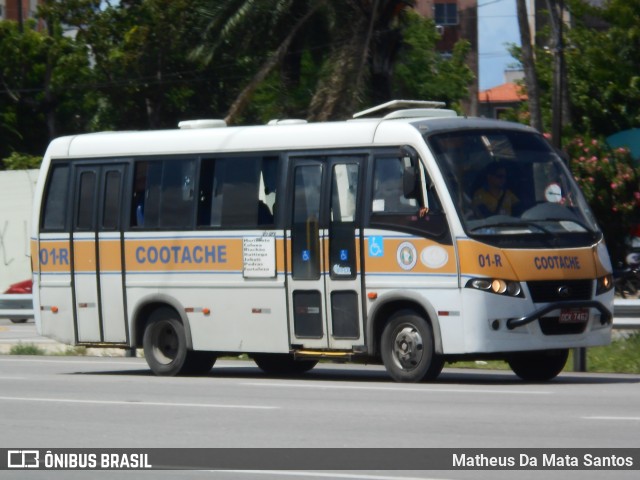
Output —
<point x="610" y="182"/>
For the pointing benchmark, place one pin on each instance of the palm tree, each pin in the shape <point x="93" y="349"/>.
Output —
<point x="355" y="41"/>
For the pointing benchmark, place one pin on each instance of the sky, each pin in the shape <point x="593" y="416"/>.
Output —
<point x="497" y="26"/>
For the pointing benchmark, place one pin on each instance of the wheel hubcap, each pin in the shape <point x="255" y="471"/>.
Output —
<point x="166" y="344"/>
<point x="408" y="348"/>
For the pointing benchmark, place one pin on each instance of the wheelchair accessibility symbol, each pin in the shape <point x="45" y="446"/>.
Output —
<point x="376" y="248"/>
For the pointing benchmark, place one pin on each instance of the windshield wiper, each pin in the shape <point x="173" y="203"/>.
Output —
<point x="576" y="221"/>
<point x="512" y="224"/>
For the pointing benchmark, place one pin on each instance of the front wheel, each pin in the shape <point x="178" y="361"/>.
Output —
<point x="538" y="366"/>
<point x="407" y="349"/>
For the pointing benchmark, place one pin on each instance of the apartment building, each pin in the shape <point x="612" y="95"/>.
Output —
<point x="456" y="20"/>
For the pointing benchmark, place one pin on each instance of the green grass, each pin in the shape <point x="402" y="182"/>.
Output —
<point x="72" y="352"/>
<point x="26" y="349"/>
<point x="622" y="356"/>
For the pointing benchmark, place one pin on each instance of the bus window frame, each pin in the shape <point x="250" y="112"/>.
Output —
<point x="373" y="219"/>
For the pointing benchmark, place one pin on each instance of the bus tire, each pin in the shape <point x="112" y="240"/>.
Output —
<point x="282" y="364"/>
<point x="407" y="349"/>
<point x="538" y="366"/>
<point x="165" y="343"/>
<point x="198" y="363"/>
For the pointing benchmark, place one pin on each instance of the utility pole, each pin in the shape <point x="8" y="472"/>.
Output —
<point x="20" y="19"/>
<point x="528" y="63"/>
<point x="556" y="11"/>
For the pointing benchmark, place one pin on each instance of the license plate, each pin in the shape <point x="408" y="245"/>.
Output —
<point x="574" y="315"/>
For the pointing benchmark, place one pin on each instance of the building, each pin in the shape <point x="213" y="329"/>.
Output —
<point x="494" y="102"/>
<point x="17" y="10"/>
<point x="456" y="20"/>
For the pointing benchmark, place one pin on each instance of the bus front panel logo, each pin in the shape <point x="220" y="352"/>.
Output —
<point x="407" y="256"/>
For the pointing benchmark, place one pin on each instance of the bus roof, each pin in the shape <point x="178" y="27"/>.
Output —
<point x="351" y="133"/>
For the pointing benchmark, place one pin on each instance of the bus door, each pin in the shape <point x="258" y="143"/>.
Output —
<point x="97" y="248"/>
<point x="325" y="280"/>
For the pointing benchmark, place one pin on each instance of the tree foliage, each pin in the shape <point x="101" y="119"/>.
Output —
<point x="421" y="73"/>
<point x="609" y="180"/>
<point x="602" y="56"/>
<point x="43" y="79"/>
<point x="89" y="65"/>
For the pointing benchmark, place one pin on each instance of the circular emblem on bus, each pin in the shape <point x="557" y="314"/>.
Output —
<point x="407" y="256"/>
<point x="564" y="291"/>
<point x="434" y="256"/>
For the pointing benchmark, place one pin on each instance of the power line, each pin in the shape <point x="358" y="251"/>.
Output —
<point x="489" y="3"/>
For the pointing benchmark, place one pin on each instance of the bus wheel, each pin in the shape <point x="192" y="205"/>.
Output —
<point x="282" y="363"/>
<point x="407" y="349"/>
<point x="165" y="343"/>
<point x="538" y="366"/>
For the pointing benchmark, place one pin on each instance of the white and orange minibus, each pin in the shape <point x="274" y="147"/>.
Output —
<point x="407" y="235"/>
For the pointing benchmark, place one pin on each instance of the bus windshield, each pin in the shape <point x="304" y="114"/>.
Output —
<point x="510" y="185"/>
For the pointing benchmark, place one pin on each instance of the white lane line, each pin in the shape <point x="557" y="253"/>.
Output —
<point x="134" y="402"/>
<point x="97" y="362"/>
<point x="352" y="476"/>
<point x="397" y="389"/>
<point x="626" y="419"/>
<point x="13" y="378"/>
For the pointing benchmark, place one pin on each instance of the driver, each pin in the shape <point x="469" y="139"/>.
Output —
<point x="493" y="198"/>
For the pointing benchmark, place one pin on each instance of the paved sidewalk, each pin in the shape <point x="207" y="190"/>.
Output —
<point x="12" y="334"/>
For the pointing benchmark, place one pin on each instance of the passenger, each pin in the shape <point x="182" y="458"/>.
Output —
<point x="493" y="198"/>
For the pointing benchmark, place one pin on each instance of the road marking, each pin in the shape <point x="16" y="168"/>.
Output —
<point x="353" y="476"/>
<point x="626" y="419"/>
<point x="97" y="362"/>
<point x="135" y="402"/>
<point x="398" y="388"/>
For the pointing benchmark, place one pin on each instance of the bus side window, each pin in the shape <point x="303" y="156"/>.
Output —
<point x="163" y="194"/>
<point x="388" y="192"/>
<point x="237" y="192"/>
<point x="391" y="209"/>
<point x="55" y="202"/>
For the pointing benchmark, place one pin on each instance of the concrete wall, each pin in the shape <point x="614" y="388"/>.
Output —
<point x="16" y="200"/>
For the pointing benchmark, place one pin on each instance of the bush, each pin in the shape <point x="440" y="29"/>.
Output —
<point x="26" y="349"/>
<point x="21" y="161"/>
<point x="609" y="181"/>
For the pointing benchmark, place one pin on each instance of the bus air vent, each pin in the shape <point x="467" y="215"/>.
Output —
<point x="383" y="110"/>
<point x="287" y="121"/>
<point x="205" y="123"/>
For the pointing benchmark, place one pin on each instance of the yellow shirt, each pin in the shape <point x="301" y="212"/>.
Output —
<point x="487" y="204"/>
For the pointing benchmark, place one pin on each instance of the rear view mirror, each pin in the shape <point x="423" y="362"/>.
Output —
<point x="410" y="182"/>
<point x="410" y="176"/>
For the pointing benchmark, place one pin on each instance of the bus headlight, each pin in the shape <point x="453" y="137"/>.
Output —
<point x="604" y="284"/>
<point x="497" y="286"/>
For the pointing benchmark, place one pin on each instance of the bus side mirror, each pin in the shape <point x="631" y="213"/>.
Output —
<point x="410" y="177"/>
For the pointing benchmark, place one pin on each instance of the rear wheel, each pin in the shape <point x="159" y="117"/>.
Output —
<point x="538" y="366"/>
<point x="165" y="347"/>
<point x="407" y="349"/>
<point x="282" y="363"/>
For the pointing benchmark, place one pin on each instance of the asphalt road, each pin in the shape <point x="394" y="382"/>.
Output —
<point x="72" y="402"/>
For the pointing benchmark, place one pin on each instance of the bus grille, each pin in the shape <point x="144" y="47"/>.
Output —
<point x="560" y="290"/>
